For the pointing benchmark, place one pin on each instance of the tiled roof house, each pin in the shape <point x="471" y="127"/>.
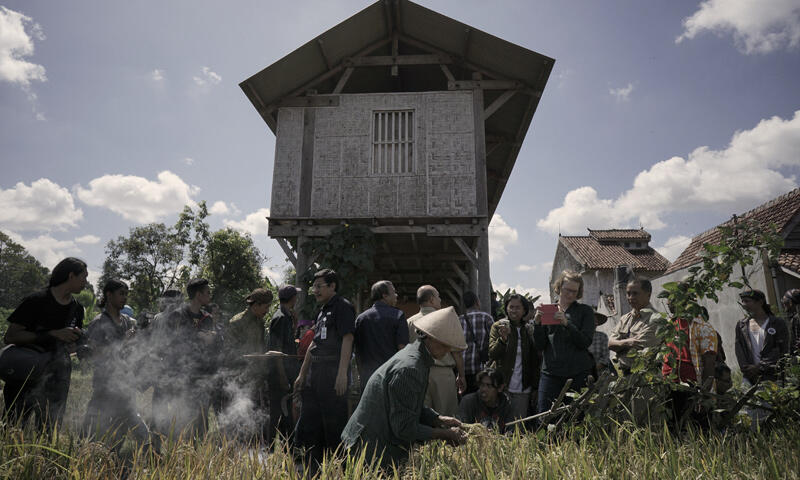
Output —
<point x="599" y="254"/>
<point x="772" y="279"/>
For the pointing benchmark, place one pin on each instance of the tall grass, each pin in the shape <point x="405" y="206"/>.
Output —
<point x="618" y="451"/>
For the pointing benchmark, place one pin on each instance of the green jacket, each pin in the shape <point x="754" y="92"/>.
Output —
<point x="504" y="353"/>
<point x="390" y="416"/>
<point x="245" y="334"/>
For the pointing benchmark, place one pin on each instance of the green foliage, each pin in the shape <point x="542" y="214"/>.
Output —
<point x="22" y="273"/>
<point x="232" y="264"/>
<point x="349" y="250"/>
<point x="88" y="301"/>
<point x="502" y="297"/>
<point x="155" y="257"/>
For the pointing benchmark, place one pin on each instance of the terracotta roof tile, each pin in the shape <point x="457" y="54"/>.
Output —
<point x="620" y="234"/>
<point x="790" y="259"/>
<point x="778" y="211"/>
<point x="595" y="255"/>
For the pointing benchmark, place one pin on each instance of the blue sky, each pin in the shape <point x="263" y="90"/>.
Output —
<point x="670" y="115"/>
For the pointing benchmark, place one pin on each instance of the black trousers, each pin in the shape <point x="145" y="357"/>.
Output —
<point x="323" y="415"/>
<point x="44" y="398"/>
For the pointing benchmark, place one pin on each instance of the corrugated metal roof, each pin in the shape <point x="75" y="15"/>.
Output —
<point x="779" y="211"/>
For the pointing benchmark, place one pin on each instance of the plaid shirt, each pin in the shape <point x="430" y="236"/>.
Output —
<point x="476" y="326"/>
<point x="599" y="348"/>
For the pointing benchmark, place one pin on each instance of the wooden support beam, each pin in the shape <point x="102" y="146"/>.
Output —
<point x="467" y="251"/>
<point x="325" y="57"/>
<point x="497" y="103"/>
<point x="447" y="73"/>
<point x="458" y="288"/>
<point x="483" y="84"/>
<point x="454" y="298"/>
<point x="343" y="80"/>
<point x="310" y="101"/>
<point x="484" y="282"/>
<point x="390" y="60"/>
<point x="480" y="148"/>
<point x="395" y="52"/>
<point x="306" y="162"/>
<point x="453" y="230"/>
<point x="460" y="273"/>
<point x="414" y="245"/>
<point x="287" y="250"/>
<point x="300" y="269"/>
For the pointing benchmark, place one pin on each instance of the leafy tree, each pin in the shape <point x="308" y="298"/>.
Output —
<point x="232" y="264"/>
<point x="22" y="273"/>
<point x="155" y="257"/>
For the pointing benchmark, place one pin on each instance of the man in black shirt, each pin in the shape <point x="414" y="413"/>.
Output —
<point x="283" y="371"/>
<point x="49" y="321"/>
<point x="381" y="331"/>
<point x="324" y="375"/>
<point x="489" y="406"/>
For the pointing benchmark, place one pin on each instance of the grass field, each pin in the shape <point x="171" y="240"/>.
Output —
<point x="617" y="451"/>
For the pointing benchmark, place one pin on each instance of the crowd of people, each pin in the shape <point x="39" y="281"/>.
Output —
<point x="418" y="378"/>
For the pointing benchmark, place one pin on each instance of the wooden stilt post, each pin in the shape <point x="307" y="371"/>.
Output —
<point x="300" y="268"/>
<point x="484" y="283"/>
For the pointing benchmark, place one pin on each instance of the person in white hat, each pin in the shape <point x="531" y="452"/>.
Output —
<point x="391" y="416"/>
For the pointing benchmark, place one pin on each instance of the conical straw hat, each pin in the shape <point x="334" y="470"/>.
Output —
<point x="444" y="326"/>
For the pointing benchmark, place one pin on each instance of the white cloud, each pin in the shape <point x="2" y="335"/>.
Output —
<point x="757" y="26"/>
<point x="47" y="249"/>
<point x="157" y="75"/>
<point x="137" y="198"/>
<point x="15" y="45"/>
<point x="274" y="275"/>
<point x="219" y="208"/>
<point x="544" y="294"/>
<point x="674" y="246"/>
<point x="255" y="223"/>
<point x="88" y="239"/>
<point x="43" y="206"/>
<point x="622" y="94"/>
<point x="545" y="267"/>
<point x="501" y="235"/>
<point x="207" y="77"/>
<point x="739" y="177"/>
<point x="188" y="161"/>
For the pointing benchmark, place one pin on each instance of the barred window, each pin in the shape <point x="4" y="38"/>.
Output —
<point x="393" y="142"/>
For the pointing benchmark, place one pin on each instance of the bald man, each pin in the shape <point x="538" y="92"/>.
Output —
<point x="443" y="384"/>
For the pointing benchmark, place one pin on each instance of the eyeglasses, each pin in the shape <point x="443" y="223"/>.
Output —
<point x="318" y="286"/>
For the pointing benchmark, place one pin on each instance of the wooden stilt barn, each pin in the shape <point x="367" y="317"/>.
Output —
<point x="407" y="121"/>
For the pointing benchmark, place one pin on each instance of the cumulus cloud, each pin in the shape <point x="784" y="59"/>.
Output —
<point x="674" y="246"/>
<point x="221" y="208"/>
<point x="501" y="235"/>
<point x="188" y="161"/>
<point x="756" y="26"/>
<point x="88" y="239"/>
<point x="545" y="267"/>
<point x="157" y="75"/>
<point x="207" y="77"/>
<point x="255" y="223"/>
<point x="137" y="198"/>
<point x="48" y="250"/>
<point x="43" y="205"/>
<point x="738" y="177"/>
<point x="16" y="43"/>
<point x="622" y="94"/>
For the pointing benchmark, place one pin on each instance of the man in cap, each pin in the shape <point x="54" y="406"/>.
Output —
<point x="391" y="416"/>
<point x="245" y="334"/>
<point x="381" y="330"/>
<point x="443" y="384"/>
<point x="283" y="371"/>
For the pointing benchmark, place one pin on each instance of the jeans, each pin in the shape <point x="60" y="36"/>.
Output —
<point x="550" y="386"/>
